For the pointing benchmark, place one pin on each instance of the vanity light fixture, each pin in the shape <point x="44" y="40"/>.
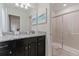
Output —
<point x="26" y="7"/>
<point x="23" y="5"/>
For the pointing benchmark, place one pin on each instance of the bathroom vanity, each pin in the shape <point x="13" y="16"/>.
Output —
<point x="22" y="45"/>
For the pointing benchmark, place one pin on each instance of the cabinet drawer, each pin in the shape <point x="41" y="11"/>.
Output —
<point x="4" y="52"/>
<point x="4" y="43"/>
<point x="5" y="47"/>
<point x="7" y="52"/>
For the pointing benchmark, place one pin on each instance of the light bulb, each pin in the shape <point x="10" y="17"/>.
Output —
<point x="17" y="4"/>
<point x="28" y="4"/>
<point x="65" y="5"/>
<point x="26" y="7"/>
<point x="23" y="5"/>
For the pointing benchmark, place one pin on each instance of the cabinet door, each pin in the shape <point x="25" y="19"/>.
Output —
<point x="4" y="53"/>
<point x="41" y="46"/>
<point x="26" y="53"/>
<point x="19" y="48"/>
<point x="12" y="46"/>
<point x="26" y="48"/>
<point x="32" y="46"/>
<point x="33" y="49"/>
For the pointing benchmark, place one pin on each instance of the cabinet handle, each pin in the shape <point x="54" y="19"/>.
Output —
<point x="29" y="46"/>
<point x="38" y="43"/>
<point x="26" y="48"/>
<point x="10" y="52"/>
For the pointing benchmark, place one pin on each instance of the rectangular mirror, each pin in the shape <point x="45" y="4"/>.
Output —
<point x="14" y="22"/>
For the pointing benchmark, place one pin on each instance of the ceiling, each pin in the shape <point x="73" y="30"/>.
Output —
<point x="59" y="6"/>
<point x="54" y="6"/>
<point x="12" y="5"/>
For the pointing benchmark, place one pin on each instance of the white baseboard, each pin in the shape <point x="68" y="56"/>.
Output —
<point x="66" y="48"/>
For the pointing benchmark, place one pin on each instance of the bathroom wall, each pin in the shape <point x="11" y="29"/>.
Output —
<point x="0" y="17"/>
<point x="10" y="9"/>
<point x="45" y="27"/>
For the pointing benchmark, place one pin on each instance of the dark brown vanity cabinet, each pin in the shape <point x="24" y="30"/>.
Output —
<point x="4" y="49"/>
<point x="33" y="46"/>
<point x="41" y="46"/>
<point x="7" y="48"/>
<point x="19" y="49"/>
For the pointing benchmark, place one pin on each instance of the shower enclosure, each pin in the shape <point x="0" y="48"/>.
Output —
<point x="66" y="32"/>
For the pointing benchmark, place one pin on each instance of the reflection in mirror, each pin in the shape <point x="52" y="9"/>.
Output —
<point x="14" y="22"/>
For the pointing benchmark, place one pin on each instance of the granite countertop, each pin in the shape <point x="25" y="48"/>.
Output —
<point x="16" y="37"/>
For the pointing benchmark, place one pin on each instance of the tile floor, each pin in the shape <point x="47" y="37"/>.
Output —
<point x="61" y="52"/>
